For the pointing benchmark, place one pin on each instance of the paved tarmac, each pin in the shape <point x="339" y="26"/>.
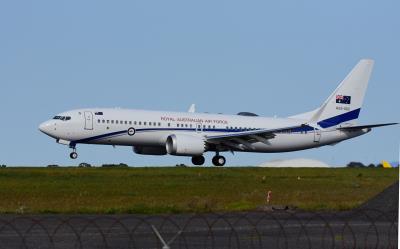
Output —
<point x="360" y="228"/>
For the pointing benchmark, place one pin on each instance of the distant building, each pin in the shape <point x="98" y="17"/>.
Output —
<point x="295" y="163"/>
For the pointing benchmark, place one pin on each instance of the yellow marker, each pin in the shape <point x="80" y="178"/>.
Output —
<point x="386" y="165"/>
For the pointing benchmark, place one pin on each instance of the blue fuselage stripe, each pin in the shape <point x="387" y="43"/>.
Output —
<point x="340" y="118"/>
<point x="333" y="121"/>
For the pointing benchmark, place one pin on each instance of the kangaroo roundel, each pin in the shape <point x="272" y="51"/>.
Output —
<point x="131" y="131"/>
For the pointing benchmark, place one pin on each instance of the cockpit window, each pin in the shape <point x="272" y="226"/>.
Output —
<point x="63" y="118"/>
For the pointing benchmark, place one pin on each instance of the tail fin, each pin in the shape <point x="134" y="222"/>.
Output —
<point x="344" y="104"/>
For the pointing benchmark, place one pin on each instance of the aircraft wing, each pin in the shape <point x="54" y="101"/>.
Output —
<point x="360" y="127"/>
<point x="244" y="140"/>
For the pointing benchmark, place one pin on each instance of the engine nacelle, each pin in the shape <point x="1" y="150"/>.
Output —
<point x="185" y="145"/>
<point x="149" y="150"/>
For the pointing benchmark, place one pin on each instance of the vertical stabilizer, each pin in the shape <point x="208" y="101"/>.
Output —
<point x="344" y="104"/>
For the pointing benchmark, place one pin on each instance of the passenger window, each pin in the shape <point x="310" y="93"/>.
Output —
<point x="177" y="125"/>
<point x="133" y="123"/>
<point x="98" y="121"/>
<point x="112" y="121"/>
<point x="108" y="121"/>
<point x="130" y="122"/>
<point x="169" y="124"/>
<point x="103" y="121"/>
<point x="116" y="121"/>
<point x="144" y="123"/>
<point x="159" y="124"/>
<point x="214" y="127"/>
<point x="126" y="122"/>
<point x="149" y="123"/>
<point x="140" y="122"/>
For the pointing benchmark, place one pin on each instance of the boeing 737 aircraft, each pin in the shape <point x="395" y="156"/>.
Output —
<point x="192" y="134"/>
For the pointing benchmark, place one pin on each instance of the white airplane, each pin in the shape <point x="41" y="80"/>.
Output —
<point x="192" y="134"/>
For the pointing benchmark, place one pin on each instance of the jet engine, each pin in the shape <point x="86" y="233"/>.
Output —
<point x="149" y="150"/>
<point x="185" y="145"/>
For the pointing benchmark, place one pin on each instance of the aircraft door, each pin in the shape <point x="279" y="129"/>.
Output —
<point x="317" y="135"/>
<point x="88" y="120"/>
<point x="199" y="127"/>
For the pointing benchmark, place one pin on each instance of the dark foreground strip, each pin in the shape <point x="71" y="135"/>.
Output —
<point x="278" y="229"/>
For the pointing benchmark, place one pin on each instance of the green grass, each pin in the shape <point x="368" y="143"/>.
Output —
<point x="177" y="190"/>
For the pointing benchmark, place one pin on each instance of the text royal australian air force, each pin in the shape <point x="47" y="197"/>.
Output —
<point x="193" y="120"/>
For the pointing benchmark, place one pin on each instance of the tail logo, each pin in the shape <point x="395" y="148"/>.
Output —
<point x="343" y="99"/>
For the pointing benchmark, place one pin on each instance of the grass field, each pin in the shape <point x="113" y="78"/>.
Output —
<point x="175" y="190"/>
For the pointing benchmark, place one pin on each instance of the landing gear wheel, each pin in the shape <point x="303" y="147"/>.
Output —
<point x="73" y="155"/>
<point x="219" y="160"/>
<point x="198" y="160"/>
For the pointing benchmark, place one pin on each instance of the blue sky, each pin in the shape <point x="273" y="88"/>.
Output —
<point x="268" y="57"/>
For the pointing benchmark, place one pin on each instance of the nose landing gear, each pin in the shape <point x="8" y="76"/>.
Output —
<point x="73" y="154"/>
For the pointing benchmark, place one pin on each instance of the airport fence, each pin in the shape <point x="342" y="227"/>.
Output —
<point x="273" y="229"/>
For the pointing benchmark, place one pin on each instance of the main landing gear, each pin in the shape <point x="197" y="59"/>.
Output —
<point x="73" y="154"/>
<point x="198" y="160"/>
<point x="217" y="160"/>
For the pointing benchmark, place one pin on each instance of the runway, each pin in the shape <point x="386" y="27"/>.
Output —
<point x="360" y="228"/>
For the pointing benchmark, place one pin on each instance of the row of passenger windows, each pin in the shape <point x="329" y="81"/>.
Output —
<point x="241" y="128"/>
<point x="103" y="121"/>
<point x="124" y="122"/>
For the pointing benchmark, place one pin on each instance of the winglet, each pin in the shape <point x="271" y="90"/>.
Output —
<point x="192" y="108"/>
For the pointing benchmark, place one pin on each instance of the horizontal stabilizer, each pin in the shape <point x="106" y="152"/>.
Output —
<point x="359" y="127"/>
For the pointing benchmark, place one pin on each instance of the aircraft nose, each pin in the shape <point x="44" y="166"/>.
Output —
<point x="45" y="127"/>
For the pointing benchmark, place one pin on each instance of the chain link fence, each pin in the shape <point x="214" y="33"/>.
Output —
<point x="278" y="229"/>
